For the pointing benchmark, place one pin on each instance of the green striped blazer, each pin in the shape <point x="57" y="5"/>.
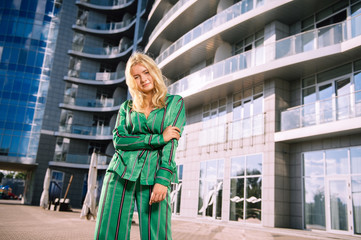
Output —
<point x="140" y="150"/>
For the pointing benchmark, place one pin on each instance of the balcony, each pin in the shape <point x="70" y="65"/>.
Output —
<point x="271" y="58"/>
<point x="217" y="133"/>
<point x="107" y="53"/>
<point x="333" y="116"/>
<point x="105" y="28"/>
<point x="173" y="11"/>
<point x="105" y="4"/>
<point x="99" y="78"/>
<point x="91" y="105"/>
<point x="206" y="27"/>
<point x="85" y="132"/>
<point x="79" y="161"/>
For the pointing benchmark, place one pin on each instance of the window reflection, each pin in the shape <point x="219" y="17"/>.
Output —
<point x="356" y="202"/>
<point x="313" y="164"/>
<point x="24" y="42"/>
<point x="315" y="203"/>
<point x="331" y="168"/>
<point x="176" y="192"/>
<point x="210" y="189"/>
<point x="246" y="189"/>
<point x="356" y="160"/>
<point x="336" y="162"/>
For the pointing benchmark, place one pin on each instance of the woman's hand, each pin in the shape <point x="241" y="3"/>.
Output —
<point x="158" y="194"/>
<point x="171" y="132"/>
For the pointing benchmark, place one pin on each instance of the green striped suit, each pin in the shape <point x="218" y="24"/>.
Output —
<point x="142" y="158"/>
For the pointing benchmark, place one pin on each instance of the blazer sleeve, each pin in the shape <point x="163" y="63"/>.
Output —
<point x="168" y="165"/>
<point x="123" y="140"/>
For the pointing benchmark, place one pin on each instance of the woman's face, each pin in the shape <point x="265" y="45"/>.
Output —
<point x="143" y="78"/>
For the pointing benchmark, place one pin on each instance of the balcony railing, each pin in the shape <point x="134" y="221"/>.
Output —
<point x="107" y="3"/>
<point x="99" y="76"/>
<point x="86" y="130"/>
<point x="106" y="26"/>
<point x="300" y="43"/>
<point x="170" y="13"/>
<point x="80" y="159"/>
<point x="217" y="131"/>
<point x="109" y="51"/>
<point x="223" y="17"/>
<point x="92" y="103"/>
<point x="323" y="111"/>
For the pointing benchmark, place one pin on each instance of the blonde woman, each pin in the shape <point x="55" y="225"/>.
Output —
<point x="145" y="139"/>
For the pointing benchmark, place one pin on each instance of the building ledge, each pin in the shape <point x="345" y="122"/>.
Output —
<point x="85" y="137"/>
<point x="17" y="163"/>
<point x="89" y="109"/>
<point x="75" y="165"/>
<point x="104" y="7"/>
<point x="332" y="129"/>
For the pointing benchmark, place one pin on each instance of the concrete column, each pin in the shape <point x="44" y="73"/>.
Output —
<point x="273" y="32"/>
<point x="275" y="195"/>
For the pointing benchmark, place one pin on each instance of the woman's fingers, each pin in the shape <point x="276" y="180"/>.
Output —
<point x="158" y="194"/>
<point x="170" y="133"/>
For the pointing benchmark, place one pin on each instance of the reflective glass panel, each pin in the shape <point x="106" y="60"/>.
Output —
<point x="236" y="208"/>
<point x="315" y="203"/>
<point x="313" y="164"/>
<point x="254" y="164"/>
<point x="253" y="200"/>
<point x="337" y="161"/>
<point x="237" y="166"/>
<point x="356" y="203"/>
<point x="356" y="160"/>
<point x="338" y="204"/>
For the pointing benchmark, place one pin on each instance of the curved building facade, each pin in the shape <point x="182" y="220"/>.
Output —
<point x="272" y="92"/>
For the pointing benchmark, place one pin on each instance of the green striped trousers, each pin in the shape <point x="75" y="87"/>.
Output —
<point x="116" y="208"/>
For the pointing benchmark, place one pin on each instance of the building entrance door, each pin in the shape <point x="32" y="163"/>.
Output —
<point x="339" y="206"/>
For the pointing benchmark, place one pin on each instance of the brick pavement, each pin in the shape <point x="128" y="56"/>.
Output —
<point x="18" y="222"/>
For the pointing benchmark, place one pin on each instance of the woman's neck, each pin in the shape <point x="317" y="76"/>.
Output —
<point x="148" y="101"/>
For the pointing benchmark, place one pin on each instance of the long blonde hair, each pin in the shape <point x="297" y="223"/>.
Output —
<point x="160" y="89"/>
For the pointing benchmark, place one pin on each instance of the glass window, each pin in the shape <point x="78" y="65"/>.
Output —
<point x="238" y="166"/>
<point x="315" y="203"/>
<point x="356" y="160"/>
<point x="14" y="145"/>
<point x="337" y="161"/>
<point x="308" y="81"/>
<point x="210" y="189"/>
<point x="318" y="198"/>
<point x="246" y="190"/>
<point x="334" y="73"/>
<point x="313" y="164"/>
<point x="56" y="185"/>
<point x="253" y="199"/>
<point x="177" y="192"/>
<point x="254" y="165"/>
<point x="236" y="207"/>
<point x="247" y="113"/>
<point x="357" y="82"/>
<point x="356" y="202"/>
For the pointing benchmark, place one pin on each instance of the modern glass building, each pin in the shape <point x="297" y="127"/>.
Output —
<point x="28" y="33"/>
<point x="272" y="92"/>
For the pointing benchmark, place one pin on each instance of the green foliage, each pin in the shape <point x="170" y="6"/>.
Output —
<point x="10" y="175"/>
<point x="20" y="175"/>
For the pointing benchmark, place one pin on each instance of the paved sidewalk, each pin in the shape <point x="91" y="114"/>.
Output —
<point x="19" y="222"/>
